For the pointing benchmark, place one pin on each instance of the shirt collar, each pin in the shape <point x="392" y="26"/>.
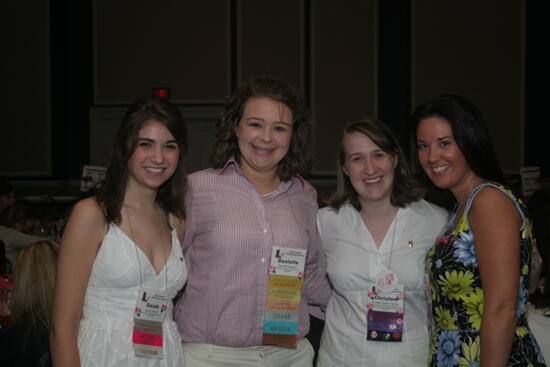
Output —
<point x="419" y="207"/>
<point x="232" y="162"/>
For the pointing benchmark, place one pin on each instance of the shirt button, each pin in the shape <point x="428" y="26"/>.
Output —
<point x="265" y="230"/>
<point x="263" y="259"/>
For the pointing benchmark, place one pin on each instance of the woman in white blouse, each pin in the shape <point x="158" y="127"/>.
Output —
<point x="375" y="234"/>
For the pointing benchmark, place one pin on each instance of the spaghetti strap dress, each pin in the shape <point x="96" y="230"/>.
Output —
<point x="105" y="334"/>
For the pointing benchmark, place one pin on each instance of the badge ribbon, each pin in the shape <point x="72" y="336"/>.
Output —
<point x="286" y="279"/>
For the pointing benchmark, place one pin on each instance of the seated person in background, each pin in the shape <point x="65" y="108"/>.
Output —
<point x="20" y="219"/>
<point x="539" y="211"/>
<point x="7" y="199"/>
<point x="25" y="341"/>
<point x="13" y="239"/>
<point x="538" y="315"/>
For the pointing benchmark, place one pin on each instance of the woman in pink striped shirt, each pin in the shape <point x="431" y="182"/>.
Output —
<point x="251" y="203"/>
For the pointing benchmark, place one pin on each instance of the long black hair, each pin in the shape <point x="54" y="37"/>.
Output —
<point x="470" y="133"/>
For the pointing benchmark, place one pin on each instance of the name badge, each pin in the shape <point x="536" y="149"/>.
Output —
<point x="147" y="335"/>
<point x="385" y="313"/>
<point x="288" y="261"/>
<point x="286" y="278"/>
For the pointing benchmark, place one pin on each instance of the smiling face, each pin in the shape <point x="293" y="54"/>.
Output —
<point x="155" y="157"/>
<point x="264" y="133"/>
<point x="369" y="168"/>
<point x="440" y="156"/>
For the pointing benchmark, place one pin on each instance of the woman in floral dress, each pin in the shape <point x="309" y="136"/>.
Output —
<point x="479" y="269"/>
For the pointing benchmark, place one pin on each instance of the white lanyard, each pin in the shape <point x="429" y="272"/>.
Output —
<point x="151" y="306"/>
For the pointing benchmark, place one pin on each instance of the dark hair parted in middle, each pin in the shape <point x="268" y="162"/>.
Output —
<point x="170" y="196"/>
<point x="405" y="189"/>
<point x="298" y="158"/>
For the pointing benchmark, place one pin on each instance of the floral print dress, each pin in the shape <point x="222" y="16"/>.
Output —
<point x="457" y="295"/>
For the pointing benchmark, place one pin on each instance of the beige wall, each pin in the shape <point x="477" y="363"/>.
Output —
<point x="343" y="70"/>
<point x="25" y="91"/>
<point x="144" y="44"/>
<point x="328" y="51"/>
<point x="474" y="48"/>
<point x="270" y="39"/>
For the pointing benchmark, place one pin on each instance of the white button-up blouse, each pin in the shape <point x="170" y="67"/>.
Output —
<point x="352" y="263"/>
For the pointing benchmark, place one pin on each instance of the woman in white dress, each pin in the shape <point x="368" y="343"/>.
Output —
<point x="120" y="260"/>
<point x="375" y="234"/>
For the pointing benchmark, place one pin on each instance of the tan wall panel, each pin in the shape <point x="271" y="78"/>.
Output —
<point x="474" y="48"/>
<point x="26" y="88"/>
<point x="270" y="39"/>
<point x="344" y="61"/>
<point x="179" y="44"/>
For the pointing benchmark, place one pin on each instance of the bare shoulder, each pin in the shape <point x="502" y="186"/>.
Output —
<point x="87" y="217"/>
<point x="491" y="199"/>
<point x="88" y="207"/>
<point x="492" y="208"/>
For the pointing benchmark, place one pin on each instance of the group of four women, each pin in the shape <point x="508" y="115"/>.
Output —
<point x="252" y="238"/>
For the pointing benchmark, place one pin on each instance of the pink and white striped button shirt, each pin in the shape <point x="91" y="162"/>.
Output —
<point x="230" y="232"/>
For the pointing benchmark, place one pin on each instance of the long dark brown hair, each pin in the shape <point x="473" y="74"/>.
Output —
<point x="170" y="196"/>
<point x="471" y="135"/>
<point x="405" y="189"/>
<point x="298" y="158"/>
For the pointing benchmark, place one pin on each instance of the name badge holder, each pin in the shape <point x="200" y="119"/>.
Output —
<point x="385" y="313"/>
<point x="385" y="302"/>
<point x="147" y="335"/>
<point x="151" y="306"/>
<point x="286" y="278"/>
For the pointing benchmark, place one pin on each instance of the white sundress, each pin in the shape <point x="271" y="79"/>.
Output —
<point x="105" y="334"/>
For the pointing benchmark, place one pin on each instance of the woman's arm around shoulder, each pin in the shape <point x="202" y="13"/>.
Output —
<point x="495" y="223"/>
<point x="77" y="251"/>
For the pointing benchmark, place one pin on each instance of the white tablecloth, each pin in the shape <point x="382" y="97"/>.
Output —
<point x="540" y="326"/>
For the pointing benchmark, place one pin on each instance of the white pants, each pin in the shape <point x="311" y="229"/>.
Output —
<point x="208" y="355"/>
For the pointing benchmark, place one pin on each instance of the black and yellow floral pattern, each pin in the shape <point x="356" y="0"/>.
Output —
<point x="457" y="295"/>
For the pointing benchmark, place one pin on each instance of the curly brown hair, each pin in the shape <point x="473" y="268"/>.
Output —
<point x="298" y="158"/>
<point x="405" y="189"/>
<point x="170" y="196"/>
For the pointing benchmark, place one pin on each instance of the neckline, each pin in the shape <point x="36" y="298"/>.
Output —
<point x="145" y="255"/>
<point x="396" y="232"/>
<point x="267" y="195"/>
